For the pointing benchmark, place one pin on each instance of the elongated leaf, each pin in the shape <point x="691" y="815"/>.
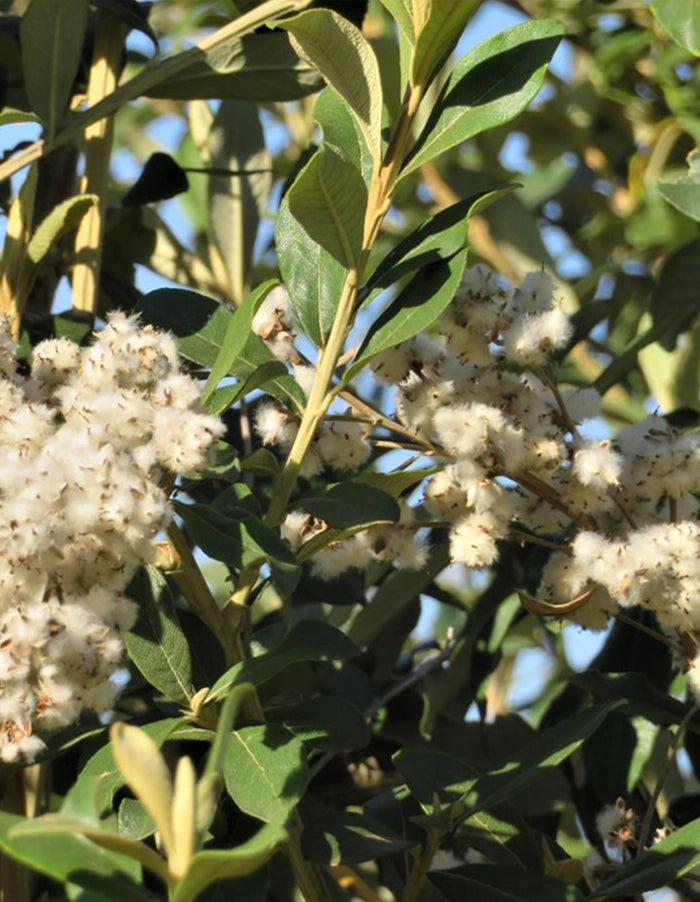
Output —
<point x="498" y="884"/>
<point x="156" y="642"/>
<point x="90" y="797"/>
<point x="436" y="239"/>
<point x="351" y="504"/>
<point x="343" y="133"/>
<point x="489" y="87"/>
<point x="656" y="867"/>
<point x="347" y="62"/>
<point x="401" y="11"/>
<point x="308" y="640"/>
<point x="52" y="33"/>
<point x="683" y="191"/>
<point x="201" y="324"/>
<point x="265" y="772"/>
<point x="674" y="301"/>
<point x="140" y="762"/>
<point x="235" y="337"/>
<point x="413" y="311"/>
<point x="241" y="542"/>
<point x="438" y="35"/>
<point x="549" y="749"/>
<point x="10" y="116"/>
<point x="61" y="220"/>
<point x="236" y="203"/>
<point x="318" y="237"/>
<point x="258" y="68"/>
<point x="429" y="772"/>
<point x="681" y="19"/>
<point x="132" y="13"/>
<point x="222" y="398"/>
<point x="209" y="866"/>
<point x="348" y="838"/>
<point x="72" y="858"/>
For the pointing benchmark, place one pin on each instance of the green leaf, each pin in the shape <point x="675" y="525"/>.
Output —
<point x="435" y="240"/>
<point x="258" y="68"/>
<point x="488" y="87"/>
<point x="428" y="773"/>
<point x="498" y="884"/>
<point x="318" y="237"/>
<point x="132" y="13"/>
<point x="10" y="116"/>
<point x="61" y="220"/>
<point x="134" y="821"/>
<point x="398" y="482"/>
<point x="350" y="504"/>
<point x="347" y="62"/>
<point x="73" y="858"/>
<point x="343" y="133"/>
<point x="222" y="398"/>
<point x="656" y="867"/>
<point x="307" y="640"/>
<point x="156" y="643"/>
<point x="241" y="542"/>
<point x="261" y="462"/>
<point x="401" y="11"/>
<point x="674" y="301"/>
<point x="681" y="19"/>
<point x="235" y="338"/>
<point x="201" y="325"/>
<point x="264" y="770"/>
<point x="328" y="722"/>
<point x="438" y="36"/>
<point x="90" y="796"/>
<point x="683" y="191"/>
<point x="236" y="202"/>
<point x="254" y="887"/>
<point x="207" y="867"/>
<point x="52" y="34"/>
<point x="548" y="749"/>
<point x="413" y="311"/>
<point x="348" y="838"/>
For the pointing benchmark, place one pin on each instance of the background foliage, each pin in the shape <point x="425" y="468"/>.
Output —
<point x="361" y="725"/>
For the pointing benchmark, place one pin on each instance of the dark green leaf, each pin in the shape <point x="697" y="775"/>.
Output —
<point x="489" y="87"/>
<point x="52" y="33"/>
<point x="253" y="888"/>
<point x="350" y="504"/>
<point x="328" y="722"/>
<point x="241" y="542"/>
<point x="674" y="302"/>
<point x="156" y="643"/>
<point x="236" y="336"/>
<point x="656" y="867"/>
<point x="429" y="773"/>
<point x="201" y="325"/>
<point x="264" y="769"/>
<point x="348" y="838"/>
<point x="435" y="240"/>
<point x="342" y="132"/>
<point x="525" y="765"/>
<point x="132" y="13"/>
<point x="307" y="640"/>
<point x="497" y="884"/>
<point x="413" y="311"/>
<point x="257" y="68"/>
<point x="161" y="178"/>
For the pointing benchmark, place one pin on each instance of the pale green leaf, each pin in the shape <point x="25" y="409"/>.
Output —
<point x="61" y="220"/>
<point x="436" y="39"/>
<point x="347" y="62"/>
<point x="681" y="19"/>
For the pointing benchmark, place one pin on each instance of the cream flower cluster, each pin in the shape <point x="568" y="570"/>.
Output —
<point x="83" y="443"/>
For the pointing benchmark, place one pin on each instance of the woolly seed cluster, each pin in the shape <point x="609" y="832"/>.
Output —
<point x="84" y="442"/>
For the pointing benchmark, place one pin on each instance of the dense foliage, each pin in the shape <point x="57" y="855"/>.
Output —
<point x="349" y="450"/>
